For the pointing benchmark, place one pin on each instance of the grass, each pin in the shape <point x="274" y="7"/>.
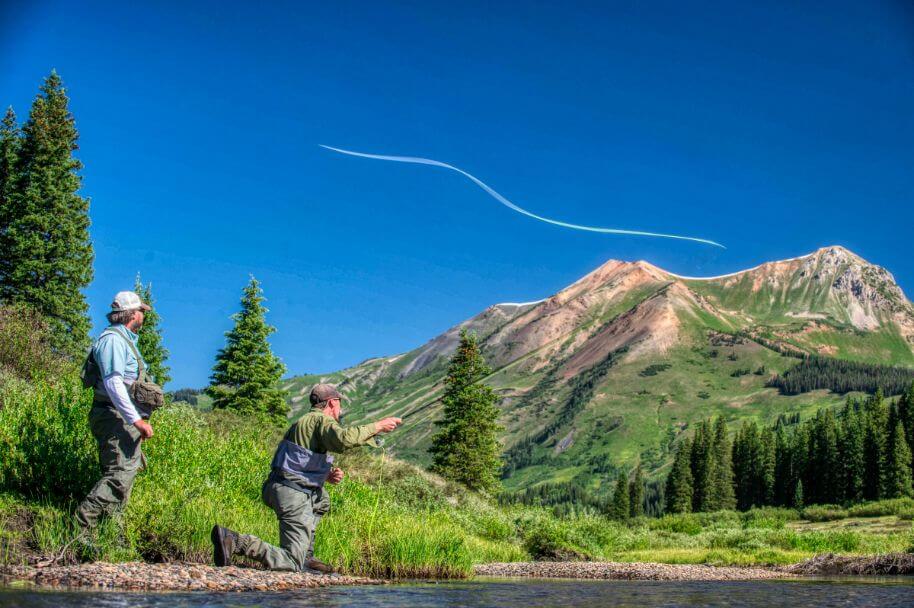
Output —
<point x="388" y="518"/>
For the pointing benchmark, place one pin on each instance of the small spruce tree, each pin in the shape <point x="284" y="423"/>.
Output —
<point x="465" y="448"/>
<point x="45" y="253"/>
<point x="150" y="342"/>
<point x="722" y="496"/>
<point x="246" y="374"/>
<point x="620" y="504"/>
<point x="679" y="482"/>
<point x="636" y="493"/>
<point x="898" y="465"/>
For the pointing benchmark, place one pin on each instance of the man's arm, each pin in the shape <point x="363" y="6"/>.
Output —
<point x="337" y="438"/>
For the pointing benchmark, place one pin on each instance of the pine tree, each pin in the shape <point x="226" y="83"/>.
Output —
<point x="702" y="465"/>
<point x="798" y="495"/>
<point x="897" y="465"/>
<point x="765" y="473"/>
<point x="679" y="481"/>
<point x="852" y="456"/>
<point x="620" y="504"/>
<point x="906" y="414"/>
<point x="722" y="496"/>
<point x="466" y="447"/>
<point x="46" y="251"/>
<point x="636" y="493"/>
<point x="874" y="440"/>
<point x="150" y="342"/>
<point x="246" y="374"/>
<point x="10" y="142"/>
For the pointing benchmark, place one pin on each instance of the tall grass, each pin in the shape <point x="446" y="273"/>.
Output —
<point x="388" y="518"/>
<point x="204" y="469"/>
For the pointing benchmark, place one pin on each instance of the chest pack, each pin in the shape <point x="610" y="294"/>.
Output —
<point x="298" y="467"/>
<point x="145" y="394"/>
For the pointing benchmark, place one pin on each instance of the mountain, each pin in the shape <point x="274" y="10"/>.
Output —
<point x="613" y="368"/>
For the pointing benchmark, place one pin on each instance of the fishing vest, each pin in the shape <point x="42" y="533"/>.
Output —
<point x="299" y="468"/>
<point x="101" y="394"/>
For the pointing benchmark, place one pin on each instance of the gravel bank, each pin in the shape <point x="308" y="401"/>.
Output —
<point x="175" y="577"/>
<point x="627" y="571"/>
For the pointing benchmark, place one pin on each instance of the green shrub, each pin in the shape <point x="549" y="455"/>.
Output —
<point x="880" y="508"/>
<point x="824" y="513"/>
<point x="770" y="518"/>
<point x="24" y="351"/>
<point x="682" y="523"/>
<point x="46" y="449"/>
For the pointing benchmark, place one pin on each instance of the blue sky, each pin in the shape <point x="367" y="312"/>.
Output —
<point x="773" y="129"/>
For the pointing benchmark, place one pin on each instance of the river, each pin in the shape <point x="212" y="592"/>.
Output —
<point x="884" y="593"/>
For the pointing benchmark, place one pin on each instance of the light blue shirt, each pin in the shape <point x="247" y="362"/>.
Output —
<point x="113" y="356"/>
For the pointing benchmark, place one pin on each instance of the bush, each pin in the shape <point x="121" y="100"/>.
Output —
<point x="682" y="523"/>
<point x="46" y="449"/>
<point x="824" y="513"/>
<point x="881" y="508"/>
<point x="24" y="351"/>
<point x="770" y="518"/>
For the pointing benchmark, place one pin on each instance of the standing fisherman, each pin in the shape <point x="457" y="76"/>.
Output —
<point x="117" y="420"/>
<point x="295" y="487"/>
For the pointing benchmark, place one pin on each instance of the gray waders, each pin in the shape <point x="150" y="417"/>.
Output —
<point x="299" y="512"/>
<point x="120" y="457"/>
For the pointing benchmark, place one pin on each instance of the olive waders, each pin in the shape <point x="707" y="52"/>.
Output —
<point x="119" y="454"/>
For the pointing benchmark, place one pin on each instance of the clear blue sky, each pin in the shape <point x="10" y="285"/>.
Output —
<point x="774" y="129"/>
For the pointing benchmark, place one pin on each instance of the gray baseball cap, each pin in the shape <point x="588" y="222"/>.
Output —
<point x="321" y="393"/>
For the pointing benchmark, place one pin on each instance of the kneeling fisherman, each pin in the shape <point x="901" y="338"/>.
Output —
<point x="295" y="486"/>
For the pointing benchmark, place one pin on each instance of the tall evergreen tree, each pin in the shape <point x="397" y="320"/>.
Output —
<point x="765" y="472"/>
<point x="906" y="415"/>
<point x="874" y="440"/>
<point x="702" y="467"/>
<point x="636" y="493"/>
<point x="722" y="496"/>
<point x="466" y="448"/>
<point x="46" y="251"/>
<point x="150" y="342"/>
<point x="620" y="500"/>
<point x="784" y="477"/>
<point x="10" y="142"/>
<point x="853" y="458"/>
<point x="246" y="374"/>
<point x="897" y="465"/>
<point x="679" y="481"/>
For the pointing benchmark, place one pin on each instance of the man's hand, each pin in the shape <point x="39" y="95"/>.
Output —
<point x="144" y="428"/>
<point x="336" y="476"/>
<point x="387" y="425"/>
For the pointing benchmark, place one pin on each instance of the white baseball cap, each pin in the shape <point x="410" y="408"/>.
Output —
<point x="128" y="300"/>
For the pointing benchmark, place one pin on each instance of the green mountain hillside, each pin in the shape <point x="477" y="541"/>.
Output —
<point x="612" y="369"/>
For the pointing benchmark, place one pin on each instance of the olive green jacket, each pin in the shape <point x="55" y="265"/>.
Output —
<point x="320" y="433"/>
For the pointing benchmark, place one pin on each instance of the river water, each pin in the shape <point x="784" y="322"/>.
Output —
<point x="884" y="593"/>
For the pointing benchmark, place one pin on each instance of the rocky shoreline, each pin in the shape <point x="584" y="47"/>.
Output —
<point x="635" y="571"/>
<point x="137" y="576"/>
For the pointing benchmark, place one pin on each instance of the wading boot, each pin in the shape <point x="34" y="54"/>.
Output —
<point x="315" y="564"/>
<point x="224" y="543"/>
